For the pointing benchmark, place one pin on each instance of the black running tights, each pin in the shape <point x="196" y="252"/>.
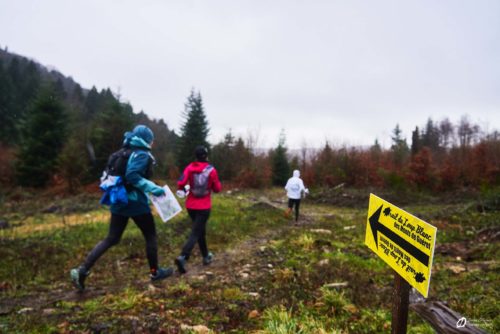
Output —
<point x="198" y="232"/>
<point x="117" y="226"/>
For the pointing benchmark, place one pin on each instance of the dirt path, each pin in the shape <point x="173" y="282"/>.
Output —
<point x="249" y="256"/>
<point x="247" y="261"/>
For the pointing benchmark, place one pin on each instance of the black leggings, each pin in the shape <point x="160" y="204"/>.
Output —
<point x="198" y="232"/>
<point x="296" y="202"/>
<point x="118" y="224"/>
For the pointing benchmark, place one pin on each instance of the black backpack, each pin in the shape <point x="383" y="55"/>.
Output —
<point x="117" y="164"/>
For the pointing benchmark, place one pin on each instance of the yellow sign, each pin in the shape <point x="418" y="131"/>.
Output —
<point x="403" y="241"/>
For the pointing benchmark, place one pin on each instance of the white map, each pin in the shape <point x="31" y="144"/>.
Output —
<point x="166" y="205"/>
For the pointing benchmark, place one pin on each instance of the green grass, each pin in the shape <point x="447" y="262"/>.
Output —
<point x="290" y="272"/>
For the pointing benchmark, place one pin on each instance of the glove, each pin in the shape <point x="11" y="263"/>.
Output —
<point x="158" y="191"/>
<point x="306" y="191"/>
<point x="180" y="193"/>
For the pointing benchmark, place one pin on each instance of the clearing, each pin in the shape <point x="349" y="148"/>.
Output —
<point x="270" y="274"/>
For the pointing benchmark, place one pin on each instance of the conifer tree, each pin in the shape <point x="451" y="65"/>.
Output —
<point x="43" y="136"/>
<point x="21" y="81"/>
<point x="242" y="155"/>
<point x="194" y="131"/>
<point x="222" y="157"/>
<point x="91" y="103"/>
<point x="29" y="85"/>
<point x="107" y="132"/>
<point x="73" y="161"/>
<point x="416" y="143"/>
<point x="399" y="147"/>
<point x="7" y="115"/>
<point x="280" y="165"/>
<point x="430" y="137"/>
<point x="165" y="143"/>
<point x="376" y="149"/>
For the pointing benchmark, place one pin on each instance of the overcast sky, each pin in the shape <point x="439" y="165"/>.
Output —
<point x="342" y="71"/>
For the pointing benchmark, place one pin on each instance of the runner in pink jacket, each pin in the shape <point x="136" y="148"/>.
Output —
<point x="202" y="179"/>
<point x="204" y="202"/>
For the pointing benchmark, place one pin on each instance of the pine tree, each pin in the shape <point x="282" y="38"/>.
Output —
<point x="241" y="155"/>
<point x="22" y="83"/>
<point x="43" y="136"/>
<point x="194" y="131"/>
<point x="324" y="166"/>
<point x="399" y="147"/>
<point x="73" y="161"/>
<point x="416" y="143"/>
<point x="165" y="144"/>
<point x="91" y="104"/>
<point x="376" y="149"/>
<point x="430" y="138"/>
<point x="280" y="165"/>
<point x="8" y="131"/>
<point x="223" y="157"/>
<point x="107" y="132"/>
<point x="29" y="85"/>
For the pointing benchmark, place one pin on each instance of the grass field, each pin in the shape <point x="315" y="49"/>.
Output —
<point x="270" y="275"/>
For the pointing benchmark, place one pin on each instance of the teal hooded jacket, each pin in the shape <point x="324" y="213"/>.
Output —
<point x="139" y="140"/>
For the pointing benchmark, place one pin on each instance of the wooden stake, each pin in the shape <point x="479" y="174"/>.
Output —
<point x="400" y="299"/>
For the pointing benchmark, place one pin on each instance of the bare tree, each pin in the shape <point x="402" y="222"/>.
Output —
<point x="446" y="133"/>
<point x="303" y="155"/>
<point x="466" y="132"/>
<point x="253" y="139"/>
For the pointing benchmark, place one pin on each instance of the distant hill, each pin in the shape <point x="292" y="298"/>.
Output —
<point x="94" y="121"/>
<point x="46" y="72"/>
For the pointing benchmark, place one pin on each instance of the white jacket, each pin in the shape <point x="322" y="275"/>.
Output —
<point x="294" y="187"/>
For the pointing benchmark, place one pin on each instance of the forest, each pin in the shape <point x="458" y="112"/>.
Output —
<point x="270" y="274"/>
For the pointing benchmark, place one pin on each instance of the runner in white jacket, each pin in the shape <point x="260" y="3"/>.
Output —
<point x="294" y="189"/>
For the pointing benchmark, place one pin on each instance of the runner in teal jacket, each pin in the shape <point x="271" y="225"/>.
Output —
<point x="136" y="176"/>
<point x="138" y="168"/>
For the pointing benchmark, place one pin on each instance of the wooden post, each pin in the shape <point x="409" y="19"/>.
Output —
<point x="400" y="300"/>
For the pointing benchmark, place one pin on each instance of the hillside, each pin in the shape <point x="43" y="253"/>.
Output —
<point x="46" y="73"/>
<point x="90" y="125"/>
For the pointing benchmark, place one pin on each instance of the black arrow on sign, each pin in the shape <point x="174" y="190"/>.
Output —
<point x="377" y="226"/>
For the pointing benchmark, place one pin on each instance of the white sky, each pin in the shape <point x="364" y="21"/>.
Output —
<point x="343" y="71"/>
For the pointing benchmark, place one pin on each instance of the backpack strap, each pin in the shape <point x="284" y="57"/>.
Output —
<point x="208" y="169"/>
<point x="149" y="169"/>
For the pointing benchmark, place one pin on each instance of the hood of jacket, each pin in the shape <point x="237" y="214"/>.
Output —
<point x="135" y="141"/>
<point x="139" y="142"/>
<point x="296" y="173"/>
<point x="140" y="137"/>
<point x="198" y="166"/>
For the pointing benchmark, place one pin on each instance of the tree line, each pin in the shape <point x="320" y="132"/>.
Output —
<point x="441" y="156"/>
<point x="53" y="131"/>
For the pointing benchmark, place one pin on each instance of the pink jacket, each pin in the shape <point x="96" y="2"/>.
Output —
<point x="199" y="203"/>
